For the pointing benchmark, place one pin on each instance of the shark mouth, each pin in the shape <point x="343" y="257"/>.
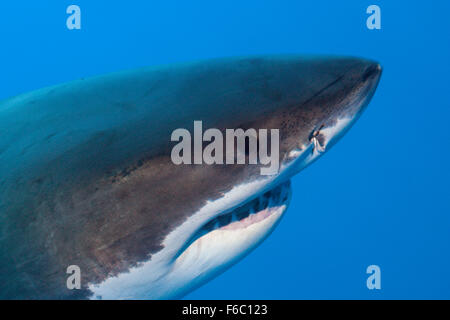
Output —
<point x="214" y="246"/>
<point x="245" y="217"/>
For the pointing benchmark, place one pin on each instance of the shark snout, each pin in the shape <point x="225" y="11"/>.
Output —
<point x="370" y="79"/>
<point x="364" y="88"/>
<point x="351" y="98"/>
<point x="341" y="89"/>
<point x="372" y="72"/>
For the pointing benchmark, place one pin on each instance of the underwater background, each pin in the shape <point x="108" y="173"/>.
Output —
<point x="380" y="197"/>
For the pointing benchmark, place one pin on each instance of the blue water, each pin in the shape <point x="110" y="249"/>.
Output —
<point x="381" y="196"/>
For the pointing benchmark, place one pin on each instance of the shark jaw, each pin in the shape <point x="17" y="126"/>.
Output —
<point x="211" y="249"/>
<point x="228" y="238"/>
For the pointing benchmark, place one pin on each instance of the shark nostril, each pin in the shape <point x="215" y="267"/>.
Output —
<point x="316" y="133"/>
<point x="318" y="141"/>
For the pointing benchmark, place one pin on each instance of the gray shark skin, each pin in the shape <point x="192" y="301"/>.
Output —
<point x="86" y="176"/>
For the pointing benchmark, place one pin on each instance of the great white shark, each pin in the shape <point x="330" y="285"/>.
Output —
<point x="86" y="177"/>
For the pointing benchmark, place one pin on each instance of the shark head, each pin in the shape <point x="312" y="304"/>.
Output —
<point x="137" y="224"/>
<point x="312" y="102"/>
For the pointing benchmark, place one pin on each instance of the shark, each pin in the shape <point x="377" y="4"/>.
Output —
<point x="87" y="180"/>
